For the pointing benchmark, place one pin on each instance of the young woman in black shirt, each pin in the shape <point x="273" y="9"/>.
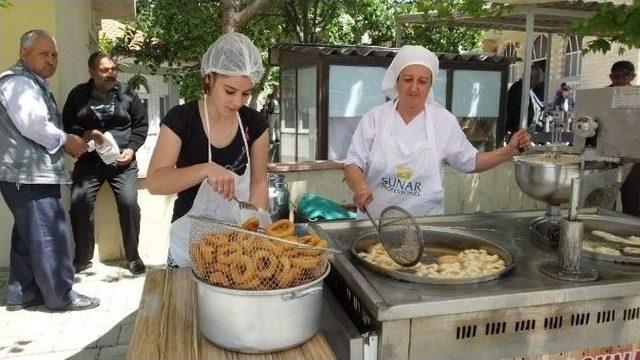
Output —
<point x="214" y="142"/>
<point x="186" y="123"/>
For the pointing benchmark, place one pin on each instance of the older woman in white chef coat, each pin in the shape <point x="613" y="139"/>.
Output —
<point x="399" y="148"/>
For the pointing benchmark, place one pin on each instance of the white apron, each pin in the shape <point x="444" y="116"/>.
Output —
<point x="537" y="106"/>
<point x="209" y="203"/>
<point x="405" y="174"/>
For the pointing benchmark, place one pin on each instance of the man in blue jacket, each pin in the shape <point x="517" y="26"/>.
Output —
<point x="101" y="105"/>
<point x="31" y="171"/>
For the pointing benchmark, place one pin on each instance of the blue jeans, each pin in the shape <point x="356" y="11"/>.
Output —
<point x="41" y="263"/>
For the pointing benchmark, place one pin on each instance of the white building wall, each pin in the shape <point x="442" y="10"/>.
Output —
<point x="76" y="36"/>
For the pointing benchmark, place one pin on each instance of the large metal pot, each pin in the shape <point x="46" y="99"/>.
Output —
<point x="259" y="321"/>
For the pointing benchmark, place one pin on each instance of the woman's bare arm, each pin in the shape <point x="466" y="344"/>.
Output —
<point x="259" y="188"/>
<point x="362" y="193"/>
<point x="164" y="178"/>
<point x="519" y="140"/>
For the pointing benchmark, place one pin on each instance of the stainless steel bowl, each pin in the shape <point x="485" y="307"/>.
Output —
<point x="259" y="321"/>
<point x="550" y="182"/>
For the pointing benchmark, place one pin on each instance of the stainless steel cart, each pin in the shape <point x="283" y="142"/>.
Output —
<point x="523" y="313"/>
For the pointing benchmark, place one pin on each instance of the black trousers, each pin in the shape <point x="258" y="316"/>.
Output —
<point x="630" y="192"/>
<point x="87" y="180"/>
<point x="40" y="245"/>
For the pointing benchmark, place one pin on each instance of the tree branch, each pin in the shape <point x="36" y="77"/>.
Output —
<point x="305" y="21"/>
<point x="228" y="15"/>
<point x="294" y="20"/>
<point x="243" y="16"/>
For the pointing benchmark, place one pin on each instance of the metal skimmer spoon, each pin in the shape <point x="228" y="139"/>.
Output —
<point x="400" y="235"/>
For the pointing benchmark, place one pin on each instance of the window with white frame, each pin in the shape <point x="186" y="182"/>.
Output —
<point x="298" y="113"/>
<point x="509" y="52"/>
<point x="353" y="91"/>
<point x="476" y="93"/>
<point x="573" y="57"/>
<point x="540" y="55"/>
<point x="540" y="48"/>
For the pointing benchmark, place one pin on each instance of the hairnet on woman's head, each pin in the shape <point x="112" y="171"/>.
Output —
<point x="233" y="54"/>
<point x="409" y="55"/>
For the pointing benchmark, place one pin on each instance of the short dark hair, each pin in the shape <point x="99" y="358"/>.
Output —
<point x="563" y="85"/>
<point x="623" y="66"/>
<point x="95" y="58"/>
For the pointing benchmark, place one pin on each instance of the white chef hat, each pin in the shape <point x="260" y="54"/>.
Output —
<point x="233" y="54"/>
<point x="409" y="55"/>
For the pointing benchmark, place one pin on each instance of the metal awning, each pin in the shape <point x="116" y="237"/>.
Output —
<point x="369" y="51"/>
<point x="546" y="16"/>
<point x="555" y="17"/>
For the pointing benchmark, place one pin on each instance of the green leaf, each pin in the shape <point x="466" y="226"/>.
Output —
<point x="613" y="24"/>
<point x="173" y="34"/>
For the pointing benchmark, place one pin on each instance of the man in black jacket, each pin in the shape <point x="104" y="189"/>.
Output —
<point x="105" y="105"/>
<point x="514" y="98"/>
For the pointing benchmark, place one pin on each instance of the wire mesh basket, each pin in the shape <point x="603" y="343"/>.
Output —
<point x="401" y="236"/>
<point x="227" y="256"/>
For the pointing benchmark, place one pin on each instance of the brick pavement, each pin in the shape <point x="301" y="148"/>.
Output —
<point x="100" y="333"/>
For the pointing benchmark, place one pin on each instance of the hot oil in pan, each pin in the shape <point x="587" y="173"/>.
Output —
<point x="431" y="254"/>
<point x="491" y="260"/>
<point x="433" y="251"/>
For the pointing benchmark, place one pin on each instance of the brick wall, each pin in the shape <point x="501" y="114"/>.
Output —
<point x="595" y="67"/>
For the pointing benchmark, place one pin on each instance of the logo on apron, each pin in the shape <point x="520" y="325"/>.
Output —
<point x="401" y="184"/>
<point x="404" y="172"/>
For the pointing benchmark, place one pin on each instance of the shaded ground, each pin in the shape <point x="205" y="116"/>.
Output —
<point x="100" y="333"/>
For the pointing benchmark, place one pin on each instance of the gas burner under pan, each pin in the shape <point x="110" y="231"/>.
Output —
<point x="545" y="231"/>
